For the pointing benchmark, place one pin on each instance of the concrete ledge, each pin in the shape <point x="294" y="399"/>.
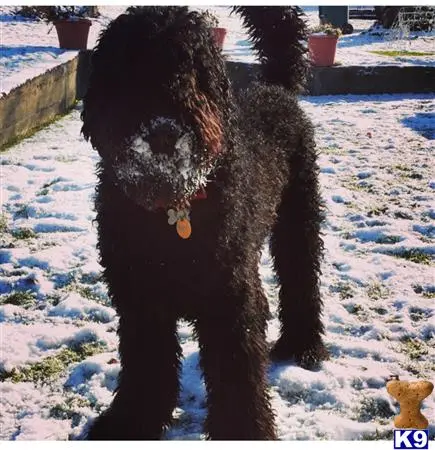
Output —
<point x="41" y="99"/>
<point x="362" y="80"/>
<point x="335" y="80"/>
<point x="358" y="80"/>
<point x="38" y="101"/>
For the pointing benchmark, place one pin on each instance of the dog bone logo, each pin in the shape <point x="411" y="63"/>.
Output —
<point x="410" y="395"/>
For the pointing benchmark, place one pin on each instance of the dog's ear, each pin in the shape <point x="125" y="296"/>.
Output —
<point x="97" y="113"/>
<point x="100" y="98"/>
<point x="94" y="107"/>
<point x="86" y="127"/>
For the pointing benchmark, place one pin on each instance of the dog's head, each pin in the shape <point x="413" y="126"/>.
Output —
<point x="158" y="107"/>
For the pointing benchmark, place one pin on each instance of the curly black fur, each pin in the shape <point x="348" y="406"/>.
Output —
<point x="278" y="36"/>
<point x="262" y="179"/>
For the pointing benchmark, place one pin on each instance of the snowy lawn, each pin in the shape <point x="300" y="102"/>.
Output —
<point x="28" y="48"/>
<point x="58" y="359"/>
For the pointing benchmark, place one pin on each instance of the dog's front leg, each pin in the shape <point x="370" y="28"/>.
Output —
<point x="234" y="358"/>
<point x="149" y="379"/>
<point x="297" y="247"/>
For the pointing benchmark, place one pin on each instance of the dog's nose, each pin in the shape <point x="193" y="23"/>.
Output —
<point x="162" y="140"/>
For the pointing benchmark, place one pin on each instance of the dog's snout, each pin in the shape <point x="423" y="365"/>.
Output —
<point x="162" y="140"/>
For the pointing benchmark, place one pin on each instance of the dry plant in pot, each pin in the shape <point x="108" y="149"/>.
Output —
<point x="322" y="44"/>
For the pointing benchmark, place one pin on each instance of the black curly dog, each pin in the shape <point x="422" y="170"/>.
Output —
<point x="179" y="155"/>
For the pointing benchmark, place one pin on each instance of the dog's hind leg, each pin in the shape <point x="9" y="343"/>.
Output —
<point x="149" y="379"/>
<point x="296" y="248"/>
<point x="234" y="359"/>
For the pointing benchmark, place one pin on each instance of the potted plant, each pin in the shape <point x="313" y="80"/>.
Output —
<point x="322" y="44"/>
<point x="72" y="25"/>
<point x="219" y="33"/>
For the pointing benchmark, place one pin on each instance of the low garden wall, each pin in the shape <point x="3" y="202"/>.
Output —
<point x="43" y="98"/>
<point x="358" y="80"/>
<point x="38" y="101"/>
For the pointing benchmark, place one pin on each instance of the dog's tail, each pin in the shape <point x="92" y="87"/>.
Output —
<point x="279" y="35"/>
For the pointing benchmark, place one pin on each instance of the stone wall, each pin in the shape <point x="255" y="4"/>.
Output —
<point x="38" y="101"/>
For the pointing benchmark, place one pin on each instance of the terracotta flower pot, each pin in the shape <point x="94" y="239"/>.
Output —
<point x="322" y="49"/>
<point x="219" y="36"/>
<point x="73" y="34"/>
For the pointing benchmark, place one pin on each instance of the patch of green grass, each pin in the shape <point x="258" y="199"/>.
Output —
<point x="416" y="314"/>
<point x="87" y="292"/>
<point x="418" y="288"/>
<point x="414" y="347"/>
<point x="394" y="319"/>
<point x="51" y="183"/>
<point x="359" y="186"/>
<point x="395" y="53"/>
<point x="344" y="289"/>
<point x="53" y="366"/>
<point x="46" y="244"/>
<point x="70" y="409"/>
<point x="24" y="299"/>
<point x="414" y="255"/>
<point x="43" y="192"/>
<point x="3" y="223"/>
<point x="381" y="311"/>
<point x="374" y="408"/>
<point x="377" y="211"/>
<point x="377" y="291"/>
<point x="347" y="235"/>
<point x="83" y="291"/>
<point x="388" y="239"/>
<point x="90" y="278"/>
<point x="425" y="239"/>
<point x="386" y="435"/>
<point x="402" y="215"/>
<point x="428" y="292"/>
<point x="23" y="211"/>
<point x="354" y="308"/>
<point x="415" y="176"/>
<point x="53" y="299"/>
<point x="402" y="168"/>
<point x="332" y="150"/>
<point x="23" y="233"/>
<point x="408" y="172"/>
<point x="45" y="187"/>
<point x="420" y="369"/>
<point x="65" y="159"/>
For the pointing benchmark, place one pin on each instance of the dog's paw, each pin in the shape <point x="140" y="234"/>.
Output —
<point x="109" y="427"/>
<point x="312" y="358"/>
<point x="114" y="425"/>
<point x="100" y="430"/>
<point x="309" y="358"/>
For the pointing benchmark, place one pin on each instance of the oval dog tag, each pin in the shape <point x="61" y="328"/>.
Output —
<point x="184" y="229"/>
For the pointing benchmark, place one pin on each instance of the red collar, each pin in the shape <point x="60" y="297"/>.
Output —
<point x="201" y="194"/>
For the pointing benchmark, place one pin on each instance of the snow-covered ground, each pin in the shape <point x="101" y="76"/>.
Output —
<point x="58" y="359"/>
<point x="28" y="48"/>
